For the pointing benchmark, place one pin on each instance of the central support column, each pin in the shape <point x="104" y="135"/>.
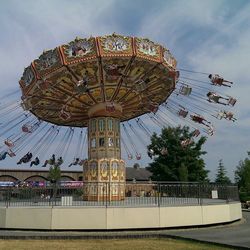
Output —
<point x="104" y="172"/>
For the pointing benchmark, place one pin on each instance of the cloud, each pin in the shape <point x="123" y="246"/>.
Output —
<point x="30" y="27"/>
<point x="207" y="36"/>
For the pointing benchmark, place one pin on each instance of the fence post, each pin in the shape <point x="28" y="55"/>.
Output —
<point x="7" y="198"/>
<point x="107" y="192"/>
<point x="227" y="193"/>
<point x="159" y="194"/>
<point x="200" y="194"/>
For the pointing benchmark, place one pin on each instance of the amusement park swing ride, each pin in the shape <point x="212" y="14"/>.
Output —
<point x="86" y="93"/>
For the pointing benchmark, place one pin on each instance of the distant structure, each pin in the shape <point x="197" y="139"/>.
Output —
<point x="132" y="174"/>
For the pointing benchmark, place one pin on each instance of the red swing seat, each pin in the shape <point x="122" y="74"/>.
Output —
<point x="26" y="128"/>
<point x="138" y="156"/>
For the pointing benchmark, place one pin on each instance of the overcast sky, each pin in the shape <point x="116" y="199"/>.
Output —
<point x="207" y="36"/>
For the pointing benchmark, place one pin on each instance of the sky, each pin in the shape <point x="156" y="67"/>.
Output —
<point x="207" y="36"/>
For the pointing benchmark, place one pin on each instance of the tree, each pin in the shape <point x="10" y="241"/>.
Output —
<point x="172" y="160"/>
<point x="242" y="174"/>
<point x="221" y="177"/>
<point x="242" y="178"/>
<point x="54" y="174"/>
<point x="183" y="172"/>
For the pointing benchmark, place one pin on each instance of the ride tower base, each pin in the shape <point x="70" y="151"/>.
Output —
<point x="104" y="171"/>
<point x="104" y="180"/>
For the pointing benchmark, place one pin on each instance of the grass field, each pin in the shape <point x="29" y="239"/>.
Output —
<point x="114" y="244"/>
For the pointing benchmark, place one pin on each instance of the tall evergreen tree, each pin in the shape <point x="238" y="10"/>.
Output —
<point x="221" y="177"/>
<point x="173" y="161"/>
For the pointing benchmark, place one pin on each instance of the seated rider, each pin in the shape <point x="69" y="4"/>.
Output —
<point x="200" y="119"/>
<point x="218" y="80"/>
<point x="214" y="97"/>
<point x="35" y="162"/>
<point x="26" y="158"/>
<point x="51" y="161"/>
<point x="83" y="85"/>
<point x="29" y="157"/>
<point x="59" y="162"/>
<point x="229" y="116"/>
<point x="150" y="153"/>
<point x="3" y="155"/>
<point x="75" y="162"/>
<point x="182" y="112"/>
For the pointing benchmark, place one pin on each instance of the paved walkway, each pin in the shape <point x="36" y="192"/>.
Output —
<point x="128" y="202"/>
<point x="236" y="234"/>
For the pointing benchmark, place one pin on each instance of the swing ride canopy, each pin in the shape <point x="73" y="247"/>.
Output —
<point x="129" y="76"/>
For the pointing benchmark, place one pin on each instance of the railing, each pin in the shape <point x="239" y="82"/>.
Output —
<point x="136" y="195"/>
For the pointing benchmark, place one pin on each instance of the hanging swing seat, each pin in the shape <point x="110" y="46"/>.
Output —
<point x="196" y="132"/>
<point x="27" y="128"/>
<point x="185" y="90"/>
<point x="138" y="156"/>
<point x="183" y="113"/>
<point x="231" y="101"/>
<point x="210" y="131"/>
<point x="130" y="156"/>
<point x="11" y="153"/>
<point x="220" y="115"/>
<point x="229" y="116"/>
<point x="9" y="143"/>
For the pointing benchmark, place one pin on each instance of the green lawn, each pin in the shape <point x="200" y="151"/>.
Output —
<point x="126" y="244"/>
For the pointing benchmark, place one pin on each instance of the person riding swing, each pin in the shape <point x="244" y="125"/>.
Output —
<point x="25" y="159"/>
<point x="200" y="119"/>
<point x="217" y="80"/>
<point x="35" y="162"/>
<point x="215" y="98"/>
<point x="51" y="161"/>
